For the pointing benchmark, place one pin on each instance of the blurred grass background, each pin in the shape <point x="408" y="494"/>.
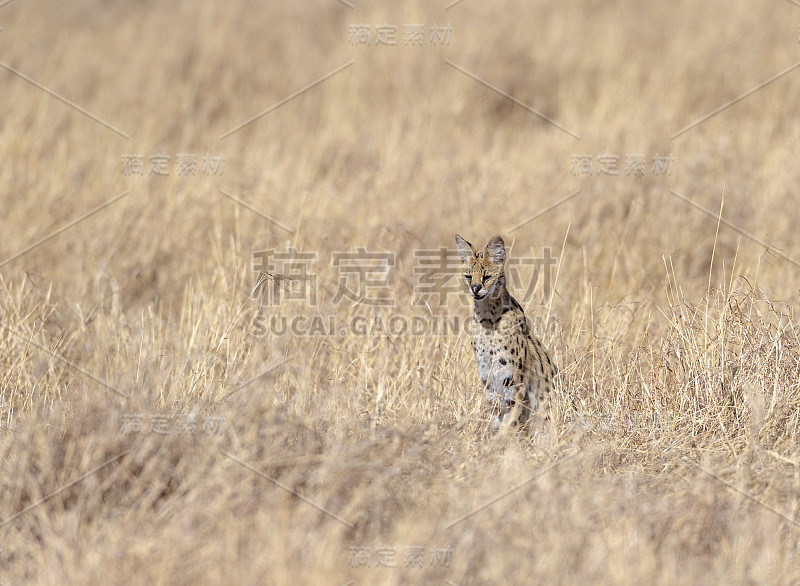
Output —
<point x="674" y="331"/>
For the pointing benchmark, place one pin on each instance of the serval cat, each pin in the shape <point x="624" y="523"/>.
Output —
<point x="515" y="367"/>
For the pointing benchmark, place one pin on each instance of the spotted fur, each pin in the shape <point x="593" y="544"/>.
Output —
<point x="515" y="368"/>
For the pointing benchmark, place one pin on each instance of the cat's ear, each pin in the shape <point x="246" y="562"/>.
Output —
<point x="496" y="249"/>
<point x="465" y="251"/>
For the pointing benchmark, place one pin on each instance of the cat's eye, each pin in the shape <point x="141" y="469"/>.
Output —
<point x="467" y="277"/>
<point x="485" y="278"/>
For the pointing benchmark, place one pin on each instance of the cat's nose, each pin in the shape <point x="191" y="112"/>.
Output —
<point x="475" y="289"/>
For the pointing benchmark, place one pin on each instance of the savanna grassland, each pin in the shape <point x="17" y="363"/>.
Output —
<point x="158" y="425"/>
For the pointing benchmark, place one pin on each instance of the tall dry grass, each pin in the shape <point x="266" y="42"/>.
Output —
<point x="672" y="455"/>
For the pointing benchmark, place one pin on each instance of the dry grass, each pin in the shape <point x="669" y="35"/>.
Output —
<point x="673" y="454"/>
